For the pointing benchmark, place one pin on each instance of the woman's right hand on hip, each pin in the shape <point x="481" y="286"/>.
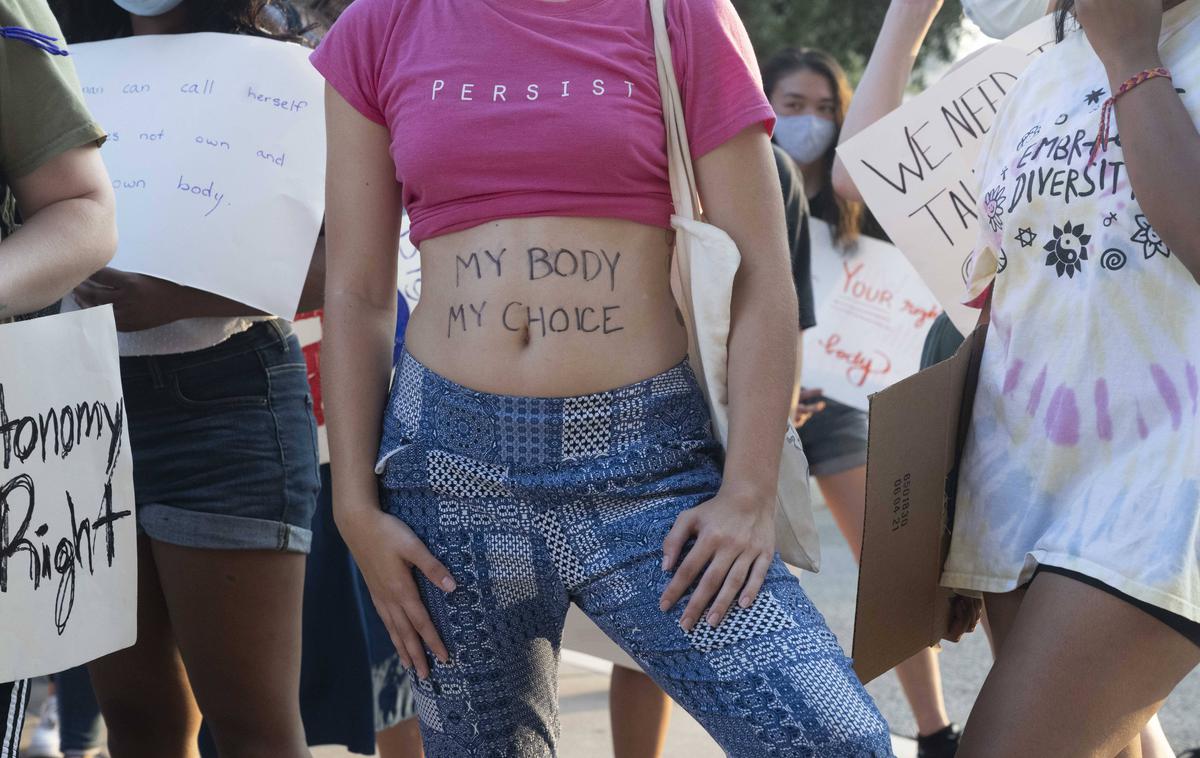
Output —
<point x="387" y="552"/>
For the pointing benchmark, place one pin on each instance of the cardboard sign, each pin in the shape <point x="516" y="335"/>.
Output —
<point x="917" y="430"/>
<point x="873" y="313"/>
<point x="216" y="151"/>
<point x="68" y="552"/>
<point x="915" y="167"/>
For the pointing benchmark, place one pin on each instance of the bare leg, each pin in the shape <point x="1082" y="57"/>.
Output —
<point x="1154" y="741"/>
<point x="1080" y="670"/>
<point x="920" y="676"/>
<point x="640" y="713"/>
<point x="236" y="615"/>
<point x="143" y="691"/>
<point x="401" y="741"/>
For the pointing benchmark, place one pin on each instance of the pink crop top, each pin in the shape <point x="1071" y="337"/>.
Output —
<point x="515" y="108"/>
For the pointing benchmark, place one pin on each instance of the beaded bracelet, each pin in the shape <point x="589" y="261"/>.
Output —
<point x="37" y="39"/>
<point x="1101" y="143"/>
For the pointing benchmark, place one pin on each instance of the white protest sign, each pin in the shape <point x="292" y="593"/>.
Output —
<point x="915" y="167"/>
<point x="216" y="151"/>
<point x="873" y="313"/>
<point x="68" y="543"/>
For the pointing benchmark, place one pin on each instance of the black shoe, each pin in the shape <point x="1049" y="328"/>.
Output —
<point x="941" y="744"/>
<point x="1193" y="753"/>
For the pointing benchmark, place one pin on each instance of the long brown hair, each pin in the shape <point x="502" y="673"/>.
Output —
<point x="845" y="216"/>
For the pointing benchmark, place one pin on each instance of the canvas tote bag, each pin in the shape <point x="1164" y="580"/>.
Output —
<point x="707" y="260"/>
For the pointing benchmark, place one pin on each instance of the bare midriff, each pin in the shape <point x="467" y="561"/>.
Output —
<point x="547" y="307"/>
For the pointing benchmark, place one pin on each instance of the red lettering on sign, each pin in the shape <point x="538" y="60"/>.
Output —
<point x="859" y="367"/>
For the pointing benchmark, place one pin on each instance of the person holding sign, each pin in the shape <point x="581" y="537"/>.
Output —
<point x="226" y="473"/>
<point x="545" y="442"/>
<point x="1079" y="499"/>
<point x="53" y="183"/>
<point x="811" y="95"/>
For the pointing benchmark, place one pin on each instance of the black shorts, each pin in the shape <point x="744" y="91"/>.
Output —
<point x="1181" y="624"/>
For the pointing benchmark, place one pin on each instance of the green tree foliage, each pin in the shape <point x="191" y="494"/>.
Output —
<point x="845" y="28"/>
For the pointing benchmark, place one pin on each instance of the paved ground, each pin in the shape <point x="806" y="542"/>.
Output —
<point x="584" y="696"/>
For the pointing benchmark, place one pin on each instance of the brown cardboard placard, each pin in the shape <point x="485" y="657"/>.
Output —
<point x="916" y="431"/>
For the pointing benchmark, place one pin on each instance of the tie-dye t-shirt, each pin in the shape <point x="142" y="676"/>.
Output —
<point x="1084" y="450"/>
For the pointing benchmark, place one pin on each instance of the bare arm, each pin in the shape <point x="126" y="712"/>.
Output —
<point x="69" y="231"/>
<point x="739" y="187"/>
<point x="363" y="235"/>
<point x="881" y="89"/>
<point x="734" y="532"/>
<point x="1150" y="117"/>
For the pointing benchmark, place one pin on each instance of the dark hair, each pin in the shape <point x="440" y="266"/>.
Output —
<point x="844" y="215"/>
<point x="1066" y="9"/>
<point x="96" y="20"/>
<point x="323" y="12"/>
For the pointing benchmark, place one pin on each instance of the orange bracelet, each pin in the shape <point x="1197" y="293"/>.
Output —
<point x="1101" y="143"/>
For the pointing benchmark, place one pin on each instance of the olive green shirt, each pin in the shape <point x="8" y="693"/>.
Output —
<point x="42" y="113"/>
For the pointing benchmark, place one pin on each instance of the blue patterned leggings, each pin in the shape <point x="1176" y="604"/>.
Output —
<point x="534" y="503"/>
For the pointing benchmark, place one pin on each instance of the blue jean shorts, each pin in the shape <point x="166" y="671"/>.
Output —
<point x="224" y="443"/>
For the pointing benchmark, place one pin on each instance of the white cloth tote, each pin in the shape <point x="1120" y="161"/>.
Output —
<point x="708" y="260"/>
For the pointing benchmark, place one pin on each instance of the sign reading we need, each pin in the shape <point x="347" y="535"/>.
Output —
<point x="873" y="313"/>
<point x="68" y="552"/>
<point x="915" y="167"/>
<point x="216" y="151"/>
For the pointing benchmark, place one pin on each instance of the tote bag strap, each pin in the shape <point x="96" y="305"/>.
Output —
<point x="683" y="186"/>
<point x="679" y="155"/>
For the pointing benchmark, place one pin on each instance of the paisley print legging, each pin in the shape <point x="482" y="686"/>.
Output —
<point x="534" y="503"/>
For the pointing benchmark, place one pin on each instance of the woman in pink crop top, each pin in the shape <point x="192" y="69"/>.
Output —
<point x="544" y="441"/>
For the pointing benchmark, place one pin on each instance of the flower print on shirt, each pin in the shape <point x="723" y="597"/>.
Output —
<point x="1151" y="243"/>
<point x="993" y="206"/>
<point x="1068" y="249"/>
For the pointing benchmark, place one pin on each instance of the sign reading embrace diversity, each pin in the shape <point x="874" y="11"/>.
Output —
<point x="216" y="151"/>
<point x="68" y="552"/>
<point x="915" y="167"/>
<point x="873" y="313"/>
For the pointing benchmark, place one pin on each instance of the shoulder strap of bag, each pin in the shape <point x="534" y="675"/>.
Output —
<point x="679" y="155"/>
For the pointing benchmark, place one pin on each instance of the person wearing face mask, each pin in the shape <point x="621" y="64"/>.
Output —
<point x="810" y="94"/>
<point x="225" y="473"/>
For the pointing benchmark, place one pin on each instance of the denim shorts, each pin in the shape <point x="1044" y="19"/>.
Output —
<point x="835" y="440"/>
<point x="224" y="443"/>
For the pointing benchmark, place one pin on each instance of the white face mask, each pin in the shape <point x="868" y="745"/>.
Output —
<point x="1000" y="19"/>
<point x="148" y="7"/>
<point x="805" y="138"/>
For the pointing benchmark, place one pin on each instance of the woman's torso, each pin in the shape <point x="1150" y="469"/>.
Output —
<point x="1084" y="447"/>
<point x="1086" y="423"/>
<point x="547" y="306"/>
<point x="528" y="137"/>
<point x="1094" y="320"/>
